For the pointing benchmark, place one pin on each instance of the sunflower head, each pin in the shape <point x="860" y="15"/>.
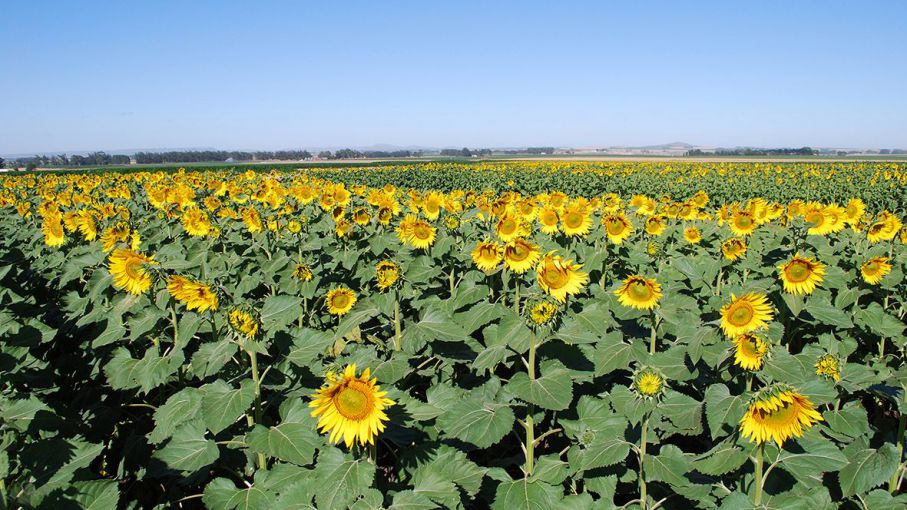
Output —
<point x="655" y="225"/>
<point x="542" y="314"/>
<point x="745" y="314"/>
<point x="743" y="223"/>
<point x="521" y="255"/>
<point x="829" y="366"/>
<point x="387" y="273"/>
<point x="801" y="275"/>
<point x="340" y="301"/>
<point x="777" y="413"/>
<point x="350" y="407"/>
<point x="452" y="222"/>
<point x="421" y="235"/>
<point x="487" y="255"/>
<point x="617" y="227"/>
<point x="559" y="277"/>
<point x="128" y="270"/>
<point x="733" y="248"/>
<point x="243" y="322"/>
<point x="875" y="269"/>
<point x="194" y="294"/>
<point x="303" y="272"/>
<point x="692" y="235"/>
<point x="648" y="383"/>
<point x="639" y="292"/>
<point x="749" y="351"/>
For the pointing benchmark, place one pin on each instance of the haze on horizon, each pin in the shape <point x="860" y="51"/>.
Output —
<point x="276" y="75"/>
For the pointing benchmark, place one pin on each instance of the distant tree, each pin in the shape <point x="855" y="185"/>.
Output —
<point x="885" y="151"/>
<point x="2" y="162"/>
<point x="325" y="155"/>
<point x="30" y="166"/>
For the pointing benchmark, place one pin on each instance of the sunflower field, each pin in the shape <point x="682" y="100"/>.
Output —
<point x="519" y="335"/>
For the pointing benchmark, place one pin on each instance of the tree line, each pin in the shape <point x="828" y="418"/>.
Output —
<point x="749" y="151"/>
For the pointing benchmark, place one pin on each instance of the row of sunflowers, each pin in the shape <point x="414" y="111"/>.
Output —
<point x="332" y="339"/>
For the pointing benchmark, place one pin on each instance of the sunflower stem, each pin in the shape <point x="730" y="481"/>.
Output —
<point x="654" y="333"/>
<point x="253" y="361"/>
<point x="893" y="483"/>
<point x="516" y="295"/>
<point x="643" y="496"/>
<point x="757" y="500"/>
<point x="530" y="427"/>
<point x="450" y="278"/>
<point x="173" y="321"/>
<point x="397" y="329"/>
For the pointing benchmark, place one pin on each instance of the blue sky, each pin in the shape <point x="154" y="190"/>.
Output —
<point x="271" y="75"/>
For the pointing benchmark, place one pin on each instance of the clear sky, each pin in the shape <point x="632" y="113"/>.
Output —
<point x="301" y="74"/>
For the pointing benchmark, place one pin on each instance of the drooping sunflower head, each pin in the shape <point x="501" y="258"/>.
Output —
<point x="128" y="270"/>
<point x="733" y="248"/>
<point x="559" y="277"/>
<point x="829" y="365"/>
<point x="875" y="269"/>
<point x="195" y="222"/>
<point x="340" y="301"/>
<point x="303" y="272"/>
<point x="745" y="314"/>
<point x="387" y="273"/>
<point x="801" y="275"/>
<point x="52" y="228"/>
<point x="543" y="313"/>
<point x="777" y="413"/>
<point x="639" y="292"/>
<point x="521" y="255"/>
<point x="648" y="383"/>
<point x="692" y="235"/>
<point x="487" y="255"/>
<point x="749" y="351"/>
<point x="243" y="322"/>
<point x="351" y="407"/>
<point x="452" y="222"/>
<point x="549" y="220"/>
<point x="194" y="294"/>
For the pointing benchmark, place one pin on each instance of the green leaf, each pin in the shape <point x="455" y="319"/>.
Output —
<point x="308" y="344"/>
<point x="480" y="423"/>
<point x="553" y="390"/>
<point x="525" y="494"/>
<point x="818" y="456"/>
<point x="341" y="478"/>
<point x="868" y="468"/>
<point x="603" y="452"/>
<point x="181" y="407"/>
<point x="188" y="450"/>
<point x="722" y="410"/>
<point x="211" y="357"/>
<point x="724" y="458"/>
<point x="280" y="311"/>
<point x="291" y="442"/>
<point x="222" y="494"/>
<point x="827" y="313"/>
<point x="222" y="404"/>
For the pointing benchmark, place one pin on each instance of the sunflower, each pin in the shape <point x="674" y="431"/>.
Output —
<point x="778" y="413"/>
<point x="743" y="223"/>
<point x="560" y="278"/>
<point x="129" y="274"/>
<point x="387" y="273"/>
<point x="303" y="273"/>
<point x="543" y="313"/>
<point x="520" y="255"/>
<point x="875" y="269"/>
<point x="351" y="407"/>
<point x="510" y="227"/>
<point x="818" y="221"/>
<point x="243" y="322"/>
<point x="749" y="351"/>
<point x="340" y="300"/>
<point x="655" y="225"/>
<point x="487" y="255"/>
<point x="252" y="219"/>
<point x="829" y="366"/>
<point x="576" y="220"/>
<point x="639" y="292"/>
<point x="617" y="227"/>
<point x="549" y="220"/>
<point x="195" y="295"/>
<point x="52" y="227"/>
<point x="733" y="248"/>
<point x="195" y="222"/>
<point x="745" y="314"/>
<point x="422" y="235"/>
<point x="801" y="275"/>
<point x="692" y="235"/>
<point x="648" y="383"/>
